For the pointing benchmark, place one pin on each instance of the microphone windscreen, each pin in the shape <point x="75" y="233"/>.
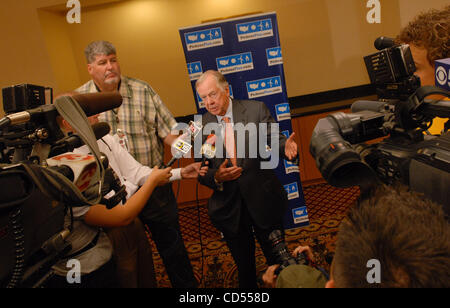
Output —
<point x="95" y="103"/>
<point x="384" y="42"/>
<point x="367" y="105"/>
<point x="211" y="139"/>
<point x="101" y="129"/>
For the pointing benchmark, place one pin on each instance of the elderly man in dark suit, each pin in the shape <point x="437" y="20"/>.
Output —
<point x="247" y="199"/>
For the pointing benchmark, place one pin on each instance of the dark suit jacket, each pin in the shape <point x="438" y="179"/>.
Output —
<point x="260" y="189"/>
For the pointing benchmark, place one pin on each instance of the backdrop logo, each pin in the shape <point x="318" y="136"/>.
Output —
<point x="283" y="112"/>
<point x="264" y="87"/>
<point x="274" y="56"/>
<point x="254" y="30"/>
<point x="235" y="63"/>
<point x="292" y="190"/>
<point x="74" y="14"/>
<point x="204" y="39"/>
<point x="195" y="70"/>
<point x="300" y="215"/>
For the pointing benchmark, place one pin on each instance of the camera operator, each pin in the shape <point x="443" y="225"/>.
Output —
<point x="405" y="232"/>
<point x="296" y="275"/>
<point x="428" y="36"/>
<point x="87" y="219"/>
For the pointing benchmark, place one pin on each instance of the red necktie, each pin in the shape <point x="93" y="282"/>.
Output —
<point x="230" y="145"/>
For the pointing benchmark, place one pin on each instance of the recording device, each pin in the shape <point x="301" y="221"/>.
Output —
<point x="39" y="182"/>
<point x="183" y="144"/>
<point x="391" y="70"/>
<point x="280" y="250"/>
<point x="405" y="154"/>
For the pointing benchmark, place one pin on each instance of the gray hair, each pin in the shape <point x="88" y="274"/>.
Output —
<point x="220" y="79"/>
<point x="98" y="48"/>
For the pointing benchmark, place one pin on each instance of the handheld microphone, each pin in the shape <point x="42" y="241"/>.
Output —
<point x="183" y="144"/>
<point x="442" y="73"/>
<point x="384" y="42"/>
<point x="208" y="149"/>
<point x="79" y="168"/>
<point x="91" y="103"/>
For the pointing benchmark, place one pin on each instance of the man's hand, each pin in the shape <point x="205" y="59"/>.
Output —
<point x="304" y="249"/>
<point x="225" y="174"/>
<point x="290" y="148"/>
<point x="269" y="277"/>
<point x="192" y="171"/>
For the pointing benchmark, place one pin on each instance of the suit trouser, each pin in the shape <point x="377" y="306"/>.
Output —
<point x="161" y="216"/>
<point x="242" y="247"/>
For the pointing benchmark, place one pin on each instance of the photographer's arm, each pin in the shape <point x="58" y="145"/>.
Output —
<point x="122" y="215"/>
<point x="269" y="278"/>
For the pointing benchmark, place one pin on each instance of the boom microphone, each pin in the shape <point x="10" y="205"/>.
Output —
<point x="95" y="103"/>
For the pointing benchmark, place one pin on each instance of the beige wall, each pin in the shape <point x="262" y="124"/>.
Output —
<point x="323" y="41"/>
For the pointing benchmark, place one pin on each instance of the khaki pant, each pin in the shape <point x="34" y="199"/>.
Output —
<point x="133" y="256"/>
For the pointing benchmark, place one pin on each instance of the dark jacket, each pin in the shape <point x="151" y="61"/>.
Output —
<point x="258" y="188"/>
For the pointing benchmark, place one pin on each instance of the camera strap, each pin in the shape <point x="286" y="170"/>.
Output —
<point x="71" y="111"/>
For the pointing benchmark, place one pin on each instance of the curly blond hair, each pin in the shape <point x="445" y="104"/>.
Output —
<point x="429" y="30"/>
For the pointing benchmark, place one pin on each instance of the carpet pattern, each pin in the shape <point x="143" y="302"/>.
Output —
<point x="212" y="261"/>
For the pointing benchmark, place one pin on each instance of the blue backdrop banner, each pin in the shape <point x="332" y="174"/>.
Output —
<point x="247" y="52"/>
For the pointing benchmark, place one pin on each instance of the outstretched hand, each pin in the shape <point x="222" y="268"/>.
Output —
<point x="225" y="174"/>
<point x="290" y="148"/>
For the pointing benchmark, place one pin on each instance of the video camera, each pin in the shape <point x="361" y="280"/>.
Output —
<point x="401" y="116"/>
<point x="280" y="250"/>
<point x="40" y="180"/>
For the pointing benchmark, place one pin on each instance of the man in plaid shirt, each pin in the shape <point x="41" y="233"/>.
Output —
<point x="147" y="123"/>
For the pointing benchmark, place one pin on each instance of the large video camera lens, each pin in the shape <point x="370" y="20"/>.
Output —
<point x="280" y="250"/>
<point x="337" y="160"/>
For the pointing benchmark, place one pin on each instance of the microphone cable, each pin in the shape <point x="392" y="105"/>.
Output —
<point x="199" y="222"/>
<point x="200" y="234"/>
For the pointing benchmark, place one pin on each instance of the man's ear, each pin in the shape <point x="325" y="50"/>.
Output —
<point x="89" y="68"/>
<point x="330" y="284"/>
<point x="66" y="126"/>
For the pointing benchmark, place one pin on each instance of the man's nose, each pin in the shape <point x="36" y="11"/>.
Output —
<point x="108" y="65"/>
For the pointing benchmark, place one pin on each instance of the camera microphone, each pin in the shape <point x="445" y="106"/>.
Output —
<point x="384" y="42"/>
<point x="91" y="103"/>
<point x="74" y="141"/>
<point x="363" y="105"/>
<point x="95" y="103"/>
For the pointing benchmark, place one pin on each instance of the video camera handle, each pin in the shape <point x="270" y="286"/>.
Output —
<point x="412" y="113"/>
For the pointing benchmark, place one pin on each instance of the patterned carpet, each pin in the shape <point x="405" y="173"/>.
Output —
<point x="212" y="261"/>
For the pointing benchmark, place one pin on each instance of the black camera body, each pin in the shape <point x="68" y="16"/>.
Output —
<point x="35" y="197"/>
<point x="401" y="117"/>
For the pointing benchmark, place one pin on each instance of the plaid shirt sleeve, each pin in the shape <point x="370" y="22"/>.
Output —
<point x="164" y="119"/>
